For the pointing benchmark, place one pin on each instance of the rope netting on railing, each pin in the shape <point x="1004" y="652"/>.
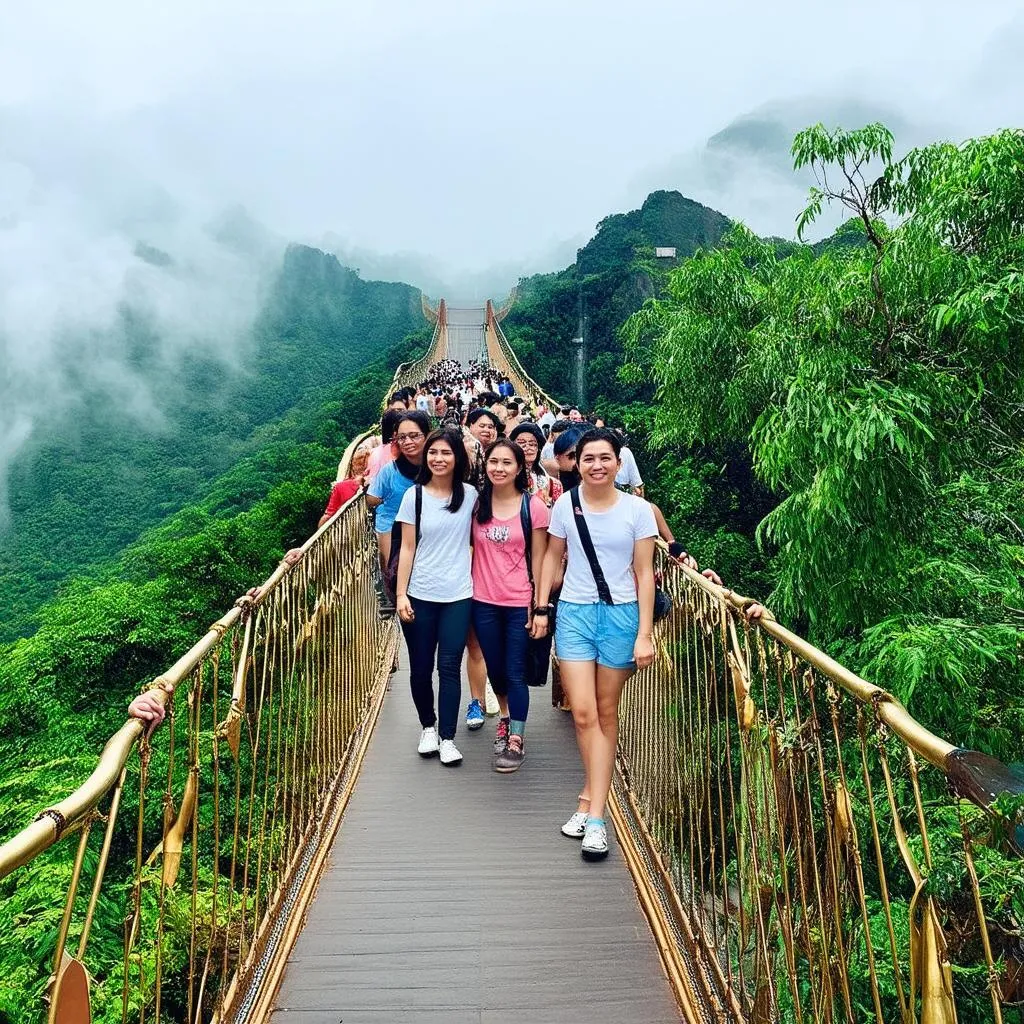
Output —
<point x="412" y="373"/>
<point x="804" y="849"/>
<point x="225" y="813"/>
<point x="811" y="847"/>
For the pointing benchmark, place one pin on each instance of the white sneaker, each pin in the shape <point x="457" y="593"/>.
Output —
<point x="576" y="825"/>
<point x="491" y="705"/>
<point x="450" y="753"/>
<point x="428" y="742"/>
<point x="595" y="842"/>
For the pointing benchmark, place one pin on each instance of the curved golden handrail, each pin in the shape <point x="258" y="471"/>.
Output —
<point x="756" y="780"/>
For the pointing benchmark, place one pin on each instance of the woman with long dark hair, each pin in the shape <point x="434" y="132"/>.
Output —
<point x="605" y="621"/>
<point x="483" y="428"/>
<point x="435" y="587"/>
<point x="509" y="538"/>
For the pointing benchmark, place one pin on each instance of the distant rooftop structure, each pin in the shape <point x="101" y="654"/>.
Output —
<point x="666" y="251"/>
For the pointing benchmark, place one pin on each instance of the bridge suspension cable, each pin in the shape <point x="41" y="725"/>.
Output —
<point x="783" y="818"/>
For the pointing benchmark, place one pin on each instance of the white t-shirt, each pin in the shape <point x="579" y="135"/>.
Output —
<point x="628" y="474"/>
<point x="548" y="451"/>
<point x="613" y="532"/>
<point x="442" y="567"/>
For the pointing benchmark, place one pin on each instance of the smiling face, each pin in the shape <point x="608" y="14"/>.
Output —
<point x="409" y="439"/>
<point x="484" y="430"/>
<point x="440" y="459"/>
<point x="598" y="463"/>
<point x="501" y="466"/>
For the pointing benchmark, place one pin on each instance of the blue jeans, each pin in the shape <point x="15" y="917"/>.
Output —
<point x="438" y="631"/>
<point x="503" y="639"/>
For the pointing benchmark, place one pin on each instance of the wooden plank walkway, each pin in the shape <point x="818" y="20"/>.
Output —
<point x="451" y="897"/>
<point x="466" y="334"/>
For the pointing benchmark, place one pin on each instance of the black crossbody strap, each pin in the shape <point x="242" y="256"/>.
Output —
<point x="419" y="510"/>
<point x="526" y="521"/>
<point x="603" y="590"/>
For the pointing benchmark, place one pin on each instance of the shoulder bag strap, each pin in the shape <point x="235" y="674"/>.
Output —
<point x="526" y="521"/>
<point x="419" y="510"/>
<point x="603" y="590"/>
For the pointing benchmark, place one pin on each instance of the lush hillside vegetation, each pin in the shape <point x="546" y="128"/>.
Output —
<point x="837" y="428"/>
<point x="94" y="481"/>
<point x="708" y="491"/>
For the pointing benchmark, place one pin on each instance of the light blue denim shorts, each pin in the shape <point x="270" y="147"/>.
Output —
<point x="600" y="632"/>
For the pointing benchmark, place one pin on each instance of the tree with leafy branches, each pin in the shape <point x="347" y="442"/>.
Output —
<point x="877" y="385"/>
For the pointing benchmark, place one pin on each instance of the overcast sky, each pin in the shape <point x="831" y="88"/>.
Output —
<point x="454" y="144"/>
<point x="472" y="132"/>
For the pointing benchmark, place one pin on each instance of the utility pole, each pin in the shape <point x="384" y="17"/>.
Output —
<point x="581" y="352"/>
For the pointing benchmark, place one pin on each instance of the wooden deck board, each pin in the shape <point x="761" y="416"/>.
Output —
<point x="450" y="895"/>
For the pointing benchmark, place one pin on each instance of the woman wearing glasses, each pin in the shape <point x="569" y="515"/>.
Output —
<point x="388" y="487"/>
<point x="530" y="439"/>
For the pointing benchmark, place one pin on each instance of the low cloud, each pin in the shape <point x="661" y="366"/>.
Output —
<point x="108" y="280"/>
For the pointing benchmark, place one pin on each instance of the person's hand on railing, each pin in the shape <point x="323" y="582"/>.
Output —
<point x="754" y="611"/>
<point x="293" y="556"/>
<point x="643" y="650"/>
<point x="147" y="709"/>
<point x="676" y="552"/>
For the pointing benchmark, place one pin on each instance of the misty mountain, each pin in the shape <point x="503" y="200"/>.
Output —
<point x="87" y="483"/>
<point x="612" y="276"/>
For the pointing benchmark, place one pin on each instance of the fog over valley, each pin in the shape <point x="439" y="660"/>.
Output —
<point x="154" y="164"/>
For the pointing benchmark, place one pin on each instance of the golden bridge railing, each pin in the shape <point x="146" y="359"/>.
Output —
<point x="412" y="373"/>
<point x="805" y="849"/>
<point x="195" y="859"/>
<point x="808" y="849"/>
<point x="503" y="357"/>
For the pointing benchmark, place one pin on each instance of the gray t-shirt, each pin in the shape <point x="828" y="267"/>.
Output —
<point x="613" y="532"/>
<point x="442" y="569"/>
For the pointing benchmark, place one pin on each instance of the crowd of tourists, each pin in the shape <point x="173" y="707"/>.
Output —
<point x="502" y="524"/>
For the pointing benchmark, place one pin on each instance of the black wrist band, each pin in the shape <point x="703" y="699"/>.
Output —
<point x="542" y="611"/>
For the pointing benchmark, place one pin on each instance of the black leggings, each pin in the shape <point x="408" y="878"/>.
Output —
<point x="438" y="630"/>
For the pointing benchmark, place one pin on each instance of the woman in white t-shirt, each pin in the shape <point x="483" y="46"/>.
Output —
<point x="604" y="629"/>
<point x="435" y="586"/>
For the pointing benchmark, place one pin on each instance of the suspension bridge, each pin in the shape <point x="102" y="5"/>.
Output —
<point x="277" y="850"/>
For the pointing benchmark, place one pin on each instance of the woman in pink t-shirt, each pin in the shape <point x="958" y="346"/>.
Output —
<point x="504" y="589"/>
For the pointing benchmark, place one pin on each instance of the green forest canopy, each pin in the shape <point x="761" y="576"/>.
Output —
<point x="836" y="426"/>
<point x="97" y="479"/>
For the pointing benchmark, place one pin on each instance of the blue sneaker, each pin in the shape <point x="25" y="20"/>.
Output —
<point x="474" y="714"/>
